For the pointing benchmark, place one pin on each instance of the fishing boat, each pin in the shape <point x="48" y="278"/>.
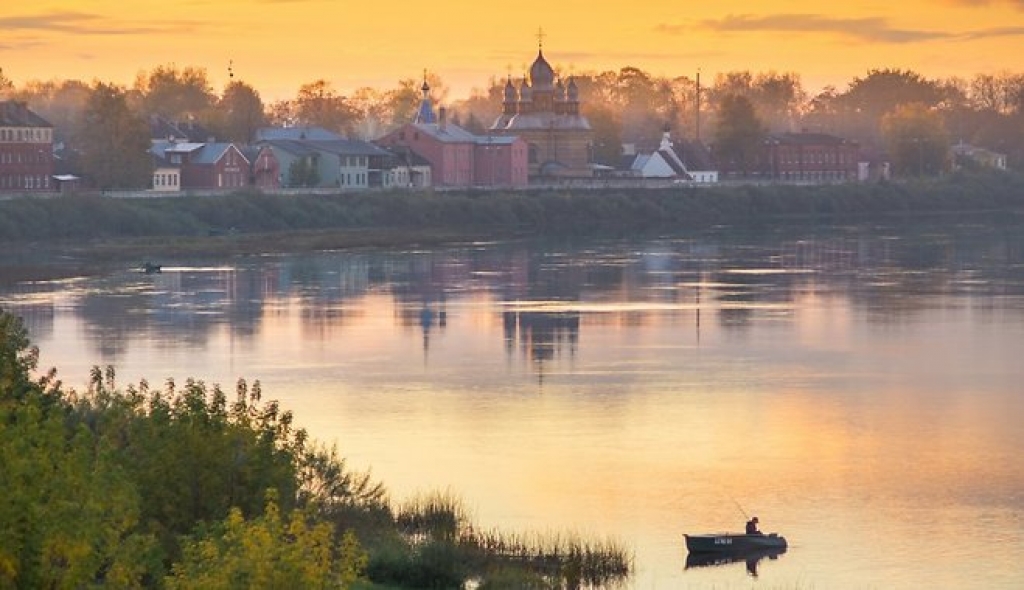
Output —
<point x="733" y="542"/>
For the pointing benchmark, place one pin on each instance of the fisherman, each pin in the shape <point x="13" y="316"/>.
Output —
<point x="752" y="527"/>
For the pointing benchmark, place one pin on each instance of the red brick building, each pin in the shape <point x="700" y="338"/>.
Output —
<point x="809" y="157"/>
<point x="199" y="166"/>
<point x="26" y="150"/>
<point x="457" y="157"/>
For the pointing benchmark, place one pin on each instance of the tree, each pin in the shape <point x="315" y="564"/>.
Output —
<point x="175" y="94"/>
<point x="303" y="173"/>
<point x="69" y="514"/>
<point x="868" y="99"/>
<point x="917" y="140"/>
<point x="60" y="102"/>
<point x="738" y="135"/>
<point x="114" y="141"/>
<point x="318" y="104"/>
<point x="270" y="551"/>
<point x="239" y="113"/>
<point x="607" y="147"/>
<point x="281" y="113"/>
<point x="6" y="86"/>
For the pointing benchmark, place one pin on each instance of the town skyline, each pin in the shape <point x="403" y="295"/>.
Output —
<point x="276" y="46"/>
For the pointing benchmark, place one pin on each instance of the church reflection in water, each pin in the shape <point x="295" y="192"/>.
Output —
<point x="541" y="336"/>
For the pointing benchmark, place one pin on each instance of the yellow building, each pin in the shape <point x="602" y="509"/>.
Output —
<point x="546" y="114"/>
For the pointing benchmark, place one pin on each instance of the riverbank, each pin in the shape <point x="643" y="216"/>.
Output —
<point x="79" y="234"/>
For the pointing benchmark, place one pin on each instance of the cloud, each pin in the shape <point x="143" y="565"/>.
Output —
<point x="994" y="32"/>
<point x="873" y="29"/>
<point x="81" y="23"/>
<point x="1018" y="4"/>
<point x="870" y="29"/>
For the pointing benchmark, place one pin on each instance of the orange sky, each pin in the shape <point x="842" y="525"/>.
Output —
<point x="278" y="45"/>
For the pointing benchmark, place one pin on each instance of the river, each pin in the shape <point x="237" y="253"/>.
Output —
<point x="859" y="388"/>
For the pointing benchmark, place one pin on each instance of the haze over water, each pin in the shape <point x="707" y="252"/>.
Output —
<point x="859" y="389"/>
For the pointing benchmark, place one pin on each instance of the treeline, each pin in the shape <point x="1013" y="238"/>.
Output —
<point x="628" y="105"/>
<point x="188" y="486"/>
<point x="555" y="212"/>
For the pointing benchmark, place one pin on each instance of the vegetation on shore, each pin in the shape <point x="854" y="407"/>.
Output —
<point x="469" y="213"/>
<point x="181" y="487"/>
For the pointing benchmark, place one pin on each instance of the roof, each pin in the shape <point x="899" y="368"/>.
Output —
<point x="545" y="120"/>
<point x="296" y="134"/>
<point x="404" y="156"/>
<point x="161" y="128"/>
<point x="450" y="133"/>
<point x="17" y="114"/>
<point x="212" y="152"/>
<point x="808" y="139"/>
<point x="338" y="147"/>
<point x="202" y="153"/>
<point x="673" y="161"/>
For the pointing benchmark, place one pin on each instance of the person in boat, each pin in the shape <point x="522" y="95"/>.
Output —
<point x="752" y="527"/>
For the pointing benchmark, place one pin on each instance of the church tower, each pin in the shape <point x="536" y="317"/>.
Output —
<point x="546" y="115"/>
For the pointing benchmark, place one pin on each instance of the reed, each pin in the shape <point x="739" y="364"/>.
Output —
<point x="566" y="560"/>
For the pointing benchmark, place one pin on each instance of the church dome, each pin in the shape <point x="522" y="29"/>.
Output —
<point x="510" y="91"/>
<point x="542" y="76"/>
<point x="525" y="92"/>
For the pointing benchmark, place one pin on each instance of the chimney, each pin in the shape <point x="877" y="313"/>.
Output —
<point x="442" y="119"/>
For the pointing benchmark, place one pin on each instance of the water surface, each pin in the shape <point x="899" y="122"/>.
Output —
<point x="859" y="389"/>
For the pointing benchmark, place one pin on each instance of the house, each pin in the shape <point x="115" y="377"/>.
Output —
<point x="965" y="152"/>
<point x="315" y="157"/>
<point x="666" y="162"/>
<point x="26" y="150"/>
<point x="808" y="157"/>
<point x="457" y="157"/>
<point x="198" y="166"/>
<point x="406" y="169"/>
<point x="264" y="168"/>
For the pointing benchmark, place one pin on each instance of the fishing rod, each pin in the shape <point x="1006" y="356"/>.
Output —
<point x="742" y="511"/>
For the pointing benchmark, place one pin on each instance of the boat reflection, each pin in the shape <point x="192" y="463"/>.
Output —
<point x="752" y="558"/>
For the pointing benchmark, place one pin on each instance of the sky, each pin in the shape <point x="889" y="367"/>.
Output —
<point x="278" y="45"/>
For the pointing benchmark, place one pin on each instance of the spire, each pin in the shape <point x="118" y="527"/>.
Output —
<point x="425" y="114"/>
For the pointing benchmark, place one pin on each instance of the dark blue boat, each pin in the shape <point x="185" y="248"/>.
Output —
<point x="733" y="543"/>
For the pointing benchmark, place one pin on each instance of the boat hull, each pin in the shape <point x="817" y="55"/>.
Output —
<point x="733" y="543"/>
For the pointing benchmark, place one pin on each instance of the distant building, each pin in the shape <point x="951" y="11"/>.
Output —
<point x="546" y="115"/>
<point x="666" y="162"/>
<point x="26" y="150"/>
<point x="198" y="166"/>
<point x="457" y="157"/>
<point x="808" y="157"/>
<point x="264" y="168"/>
<point x="339" y="162"/>
<point x="965" y="152"/>
<point x="406" y="169"/>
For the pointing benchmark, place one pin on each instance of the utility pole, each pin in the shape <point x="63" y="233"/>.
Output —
<point x="698" y="107"/>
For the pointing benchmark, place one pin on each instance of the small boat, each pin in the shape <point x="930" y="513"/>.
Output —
<point x="733" y="542"/>
<point x="150" y="268"/>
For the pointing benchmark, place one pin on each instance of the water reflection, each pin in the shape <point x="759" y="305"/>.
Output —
<point x="751" y="559"/>
<point x="892" y="276"/>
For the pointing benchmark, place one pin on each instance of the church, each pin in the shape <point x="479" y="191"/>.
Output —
<point x="545" y="113"/>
